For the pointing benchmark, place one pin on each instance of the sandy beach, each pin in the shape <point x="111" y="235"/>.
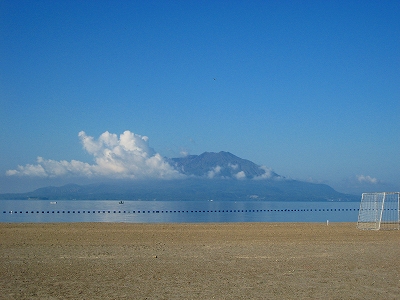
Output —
<point x="198" y="261"/>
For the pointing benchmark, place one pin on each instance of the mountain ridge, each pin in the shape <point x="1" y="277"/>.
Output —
<point x="209" y="176"/>
<point x="222" y="164"/>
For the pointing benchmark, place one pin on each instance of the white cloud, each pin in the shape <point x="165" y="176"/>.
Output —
<point x="215" y="171"/>
<point x="126" y="156"/>
<point x="240" y="175"/>
<point x="266" y="175"/>
<point x="34" y="170"/>
<point x="367" y="179"/>
<point x="233" y="166"/>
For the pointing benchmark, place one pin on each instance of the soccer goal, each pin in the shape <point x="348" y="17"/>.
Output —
<point x="379" y="211"/>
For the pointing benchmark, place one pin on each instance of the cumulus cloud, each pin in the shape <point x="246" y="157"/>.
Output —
<point x="367" y="179"/>
<point x="125" y="156"/>
<point x="233" y="166"/>
<point x="240" y="175"/>
<point x="267" y="173"/>
<point x="215" y="171"/>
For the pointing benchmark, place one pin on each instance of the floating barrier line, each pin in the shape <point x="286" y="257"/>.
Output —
<point x="179" y="211"/>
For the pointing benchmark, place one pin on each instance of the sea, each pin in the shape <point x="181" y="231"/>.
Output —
<point x="46" y="211"/>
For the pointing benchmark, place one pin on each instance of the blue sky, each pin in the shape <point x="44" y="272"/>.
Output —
<point x="310" y="89"/>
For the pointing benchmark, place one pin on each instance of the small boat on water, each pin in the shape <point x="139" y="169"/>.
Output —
<point x="53" y="202"/>
<point x="121" y="202"/>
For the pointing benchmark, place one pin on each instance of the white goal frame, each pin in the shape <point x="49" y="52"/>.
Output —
<point x="379" y="211"/>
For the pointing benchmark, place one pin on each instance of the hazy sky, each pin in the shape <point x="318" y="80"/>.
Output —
<point x="310" y="89"/>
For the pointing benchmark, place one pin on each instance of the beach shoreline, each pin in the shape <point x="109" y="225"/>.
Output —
<point x="197" y="261"/>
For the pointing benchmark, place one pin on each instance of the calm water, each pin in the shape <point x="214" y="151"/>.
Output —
<point x="175" y="211"/>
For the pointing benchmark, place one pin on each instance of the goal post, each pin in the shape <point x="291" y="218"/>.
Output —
<point x="379" y="211"/>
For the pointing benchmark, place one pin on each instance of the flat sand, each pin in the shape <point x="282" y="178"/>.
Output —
<point x="198" y="261"/>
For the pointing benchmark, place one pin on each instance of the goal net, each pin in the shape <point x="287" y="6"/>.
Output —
<point x="379" y="211"/>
